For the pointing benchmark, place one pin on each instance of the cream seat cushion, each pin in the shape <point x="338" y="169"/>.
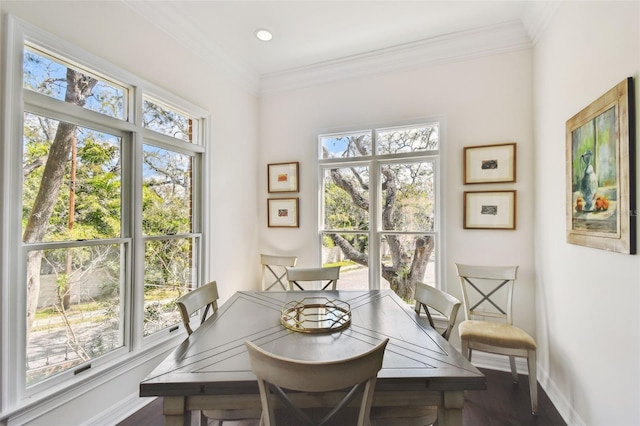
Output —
<point x="496" y="334"/>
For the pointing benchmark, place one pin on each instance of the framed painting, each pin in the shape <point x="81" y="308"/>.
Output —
<point x="600" y="191"/>
<point x="283" y="177"/>
<point x="282" y="212"/>
<point x="490" y="210"/>
<point x="490" y="163"/>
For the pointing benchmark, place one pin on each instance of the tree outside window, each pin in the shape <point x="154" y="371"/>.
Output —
<point x="379" y="206"/>
<point x="78" y="220"/>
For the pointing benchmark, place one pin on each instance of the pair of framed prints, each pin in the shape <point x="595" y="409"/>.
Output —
<point x="283" y="212"/>
<point x="484" y="164"/>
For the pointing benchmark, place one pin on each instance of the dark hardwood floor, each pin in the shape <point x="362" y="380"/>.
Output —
<point x="502" y="404"/>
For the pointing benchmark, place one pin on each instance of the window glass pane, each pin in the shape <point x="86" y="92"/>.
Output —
<point x="163" y="119"/>
<point x="71" y="182"/>
<point x="351" y="253"/>
<point x="345" y="146"/>
<point x="168" y="274"/>
<point x="403" y="140"/>
<point x="408" y="196"/>
<point x="76" y="293"/>
<point x="346" y="198"/>
<point x="60" y="81"/>
<point x="407" y="259"/>
<point x="166" y="192"/>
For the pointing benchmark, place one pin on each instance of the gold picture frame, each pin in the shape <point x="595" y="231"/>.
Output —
<point x="283" y="177"/>
<point x="283" y="212"/>
<point x="600" y="187"/>
<point x="490" y="163"/>
<point x="490" y="209"/>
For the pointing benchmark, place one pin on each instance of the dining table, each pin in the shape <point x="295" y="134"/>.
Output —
<point x="211" y="369"/>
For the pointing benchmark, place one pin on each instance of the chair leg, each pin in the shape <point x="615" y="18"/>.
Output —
<point x="464" y="348"/>
<point x="514" y="370"/>
<point x="533" y="381"/>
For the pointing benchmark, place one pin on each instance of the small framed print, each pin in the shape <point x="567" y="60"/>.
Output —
<point x="283" y="177"/>
<point x="282" y="212"/>
<point x="490" y="210"/>
<point x="490" y="163"/>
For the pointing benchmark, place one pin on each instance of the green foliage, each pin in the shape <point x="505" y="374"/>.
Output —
<point x="341" y="212"/>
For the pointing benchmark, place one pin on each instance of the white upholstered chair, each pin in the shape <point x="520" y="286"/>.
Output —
<point x="273" y="270"/>
<point x="278" y="375"/>
<point x="487" y="297"/>
<point x="206" y="297"/>
<point x="427" y="297"/>
<point x="327" y="277"/>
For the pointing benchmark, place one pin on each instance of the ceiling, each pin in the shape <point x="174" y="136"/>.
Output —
<point x="308" y="34"/>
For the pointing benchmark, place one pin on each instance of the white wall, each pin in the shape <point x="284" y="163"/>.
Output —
<point x="587" y="315"/>
<point x="111" y="30"/>
<point x="485" y="100"/>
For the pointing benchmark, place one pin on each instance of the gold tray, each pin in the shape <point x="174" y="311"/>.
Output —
<point x="316" y="315"/>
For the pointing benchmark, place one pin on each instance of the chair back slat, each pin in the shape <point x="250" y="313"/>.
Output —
<point x="427" y="296"/>
<point x="205" y="296"/>
<point x="487" y="291"/>
<point x="327" y="277"/>
<point x="282" y="374"/>
<point x="274" y="272"/>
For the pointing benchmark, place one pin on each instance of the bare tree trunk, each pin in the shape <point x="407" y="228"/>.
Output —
<point x="79" y="88"/>
<point x="404" y="271"/>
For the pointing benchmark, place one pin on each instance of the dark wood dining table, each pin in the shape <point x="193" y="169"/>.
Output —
<point x="211" y="369"/>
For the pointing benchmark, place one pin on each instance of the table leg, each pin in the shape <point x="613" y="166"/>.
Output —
<point x="175" y="413"/>
<point x="450" y="413"/>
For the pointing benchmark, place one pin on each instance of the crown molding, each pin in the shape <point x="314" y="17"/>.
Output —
<point x="458" y="46"/>
<point x="537" y="17"/>
<point x="188" y="35"/>
<point x="483" y="41"/>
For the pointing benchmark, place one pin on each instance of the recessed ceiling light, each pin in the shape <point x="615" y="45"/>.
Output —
<point x="264" y="35"/>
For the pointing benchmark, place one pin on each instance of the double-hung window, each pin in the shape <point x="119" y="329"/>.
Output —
<point x="102" y="213"/>
<point x="378" y="206"/>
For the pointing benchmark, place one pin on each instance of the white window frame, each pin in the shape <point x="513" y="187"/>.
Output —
<point x="374" y="163"/>
<point x="15" y="398"/>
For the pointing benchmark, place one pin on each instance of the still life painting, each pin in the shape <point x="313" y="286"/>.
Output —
<point x="600" y="198"/>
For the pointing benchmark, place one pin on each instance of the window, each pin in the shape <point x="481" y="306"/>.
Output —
<point x="109" y="216"/>
<point x="379" y="215"/>
<point x="170" y="244"/>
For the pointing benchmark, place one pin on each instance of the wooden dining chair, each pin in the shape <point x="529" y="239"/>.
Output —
<point x="206" y="297"/>
<point x="327" y="277"/>
<point x="280" y="377"/>
<point x="273" y="270"/>
<point x="488" y="327"/>
<point x="427" y="296"/>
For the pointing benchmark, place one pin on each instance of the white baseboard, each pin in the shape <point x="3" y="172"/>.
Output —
<point x="116" y="414"/>
<point x="561" y="403"/>
<point x="501" y="363"/>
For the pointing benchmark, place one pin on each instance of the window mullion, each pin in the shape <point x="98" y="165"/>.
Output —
<point x="375" y="225"/>
<point x="64" y="111"/>
<point x="137" y="272"/>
